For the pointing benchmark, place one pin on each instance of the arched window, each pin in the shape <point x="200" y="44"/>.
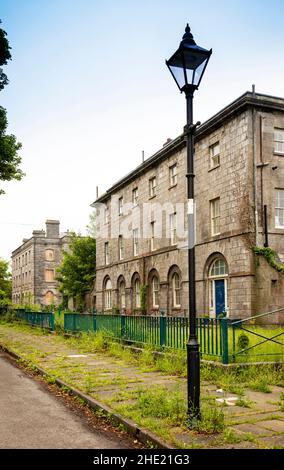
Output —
<point x="218" y="268"/>
<point x="49" y="255"/>
<point x="121" y="293"/>
<point x="49" y="298"/>
<point x="155" y="291"/>
<point x="108" y="295"/>
<point x="137" y="301"/>
<point x="176" y="290"/>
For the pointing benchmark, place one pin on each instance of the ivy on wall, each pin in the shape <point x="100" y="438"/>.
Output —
<point x="270" y="256"/>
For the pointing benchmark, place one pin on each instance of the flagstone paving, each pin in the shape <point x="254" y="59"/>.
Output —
<point x="116" y="383"/>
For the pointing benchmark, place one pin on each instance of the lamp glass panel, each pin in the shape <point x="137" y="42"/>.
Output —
<point x="178" y="73"/>
<point x="198" y="73"/>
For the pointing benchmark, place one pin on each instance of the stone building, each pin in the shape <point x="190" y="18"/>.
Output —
<point x="239" y="177"/>
<point x="34" y="266"/>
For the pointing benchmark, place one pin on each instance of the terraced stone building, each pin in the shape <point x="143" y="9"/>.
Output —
<point x="239" y="195"/>
<point x="34" y="266"/>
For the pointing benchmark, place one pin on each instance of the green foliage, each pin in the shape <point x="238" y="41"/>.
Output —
<point x="212" y="419"/>
<point x="91" y="227"/>
<point x="143" y="298"/>
<point x="5" y="284"/>
<point x="270" y="256"/>
<point x="243" y="341"/>
<point x="159" y="403"/>
<point x="243" y="402"/>
<point x="5" y="55"/>
<point x="77" y="271"/>
<point x="261" y="384"/>
<point x="175" y="364"/>
<point x="9" y="158"/>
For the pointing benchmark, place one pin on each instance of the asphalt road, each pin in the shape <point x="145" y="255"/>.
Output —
<point x="32" y="418"/>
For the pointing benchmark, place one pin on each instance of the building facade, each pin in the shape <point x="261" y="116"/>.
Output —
<point x="34" y="266"/>
<point x="239" y="197"/>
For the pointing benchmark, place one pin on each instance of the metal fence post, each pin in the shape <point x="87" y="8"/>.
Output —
<point x="94" y="319"/>
<point x="163" y="329"/>
<point x="122" y="325"/>
<point x="52" y="320"/>
<point x="225" y="344"/>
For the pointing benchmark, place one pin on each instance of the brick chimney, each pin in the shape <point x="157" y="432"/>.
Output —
<point x="52" y="228"/>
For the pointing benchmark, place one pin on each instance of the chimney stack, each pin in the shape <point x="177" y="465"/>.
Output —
<point x="52" y="228"/>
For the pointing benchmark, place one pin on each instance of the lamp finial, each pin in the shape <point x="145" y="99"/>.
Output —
<point x="188" y="37"/>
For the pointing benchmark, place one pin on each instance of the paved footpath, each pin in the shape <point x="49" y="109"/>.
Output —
<point x="33" y="418"/>
<point x="118" y="383"/>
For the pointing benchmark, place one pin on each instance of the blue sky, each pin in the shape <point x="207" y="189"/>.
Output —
<point x="89" y="90"/>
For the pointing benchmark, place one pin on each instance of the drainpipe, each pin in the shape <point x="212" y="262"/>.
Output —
<point x="254" y="173"/>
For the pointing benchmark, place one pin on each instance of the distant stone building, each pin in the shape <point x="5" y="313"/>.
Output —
<point x="239" y="177"/>
<point x="34" y="266"/>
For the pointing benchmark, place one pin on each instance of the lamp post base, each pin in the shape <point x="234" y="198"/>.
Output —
<point x="193" y="382"/>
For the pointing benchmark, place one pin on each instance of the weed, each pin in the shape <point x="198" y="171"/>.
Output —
<point x="230" y="437"/>
<point x="243" y="402"/>
<point x="281" y="405"/>
<point x="88" y="383"/>
<point x="146" y="359"/>
<point x="212" y="419"/>
<point x="260" y="385"/>
<point x="49" y="379"/>
<point x="117" y="350"/>
<point x="172" y="363"/>
<point x="159" y="403"/>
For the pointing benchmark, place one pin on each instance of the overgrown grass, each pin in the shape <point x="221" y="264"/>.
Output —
<point x="258" y="378"/>
<point x="159" y="403"/>
<point x="267" y="351"/>
<point x="161" y="408"/>
<point x="212" y="419"/>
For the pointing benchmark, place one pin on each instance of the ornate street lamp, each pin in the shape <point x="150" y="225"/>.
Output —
<point x="187" y="66"/>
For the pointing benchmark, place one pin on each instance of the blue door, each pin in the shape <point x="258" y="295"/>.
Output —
<point x="219" y="296"/>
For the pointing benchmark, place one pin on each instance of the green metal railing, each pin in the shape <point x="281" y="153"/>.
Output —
<point x="160" y="331"/>
<point x="42" y="319"/>
<point x="257" y="342"/>
<point x="219" y="338"/>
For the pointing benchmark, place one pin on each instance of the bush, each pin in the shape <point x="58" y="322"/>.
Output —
<point x="243" y="341"/>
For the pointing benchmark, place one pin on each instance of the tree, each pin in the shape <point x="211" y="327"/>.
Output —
<point x="5" y="55"/>
<point x="5" y="283"/>
<point x="77" y="271"/>
<point x="91" y="227"/>
<point x="9" y="158"/>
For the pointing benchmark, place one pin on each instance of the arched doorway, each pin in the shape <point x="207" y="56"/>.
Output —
<point x="218" y="287"/>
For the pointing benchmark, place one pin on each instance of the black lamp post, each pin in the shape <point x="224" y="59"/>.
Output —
<point x="187" y="66"/>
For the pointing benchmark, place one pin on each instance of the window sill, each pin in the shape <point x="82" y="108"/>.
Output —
<point x="152" y="197"/>
<point x="173" y="186"/>
<point x="214" y="168"/>
<point x="280" y="154"/>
